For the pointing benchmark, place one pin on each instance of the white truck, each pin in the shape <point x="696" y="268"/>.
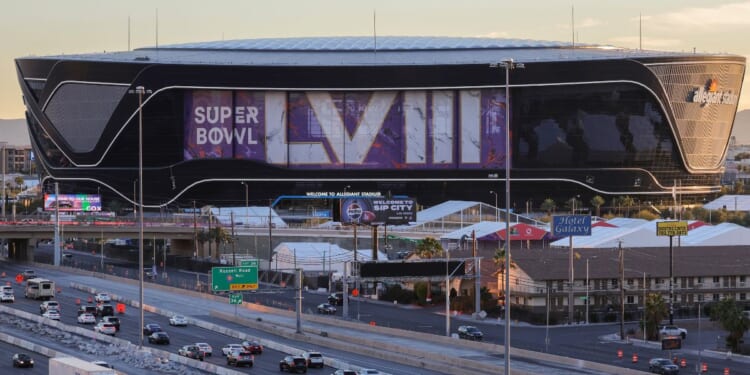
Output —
<point x="76" y="366"/>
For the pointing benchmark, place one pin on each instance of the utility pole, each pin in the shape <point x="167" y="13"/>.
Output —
<point x="231" y="219"/>
<point x="622" y="291"/>
<point x="195" y="230"/>
<point x="270" y="244"/>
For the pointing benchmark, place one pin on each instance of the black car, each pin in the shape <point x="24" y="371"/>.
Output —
<point x="150" y="328"/>
<point x="22" y="360"/>
<point x="240" y="358"/>
<point x="115" y="321"/>
<point x="293" y="364"/>
<point x="105" y="310"/>
<point x="336" y="299"/>
<point x="470" y="333"/>
<point x="160" y="338"/>
<point x="662" y="366"/>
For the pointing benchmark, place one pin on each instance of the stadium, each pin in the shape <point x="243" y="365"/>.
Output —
<point x="416" y="116"/>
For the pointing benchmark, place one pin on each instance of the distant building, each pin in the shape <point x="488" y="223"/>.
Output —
<point x="18" y="159"/>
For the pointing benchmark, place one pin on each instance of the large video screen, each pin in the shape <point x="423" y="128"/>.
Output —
<point x="73" y="202"/>
<point x="423" y="129"/>
<point x="375" y="211"/>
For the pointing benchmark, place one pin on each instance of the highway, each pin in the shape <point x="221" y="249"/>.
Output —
<point x="582" y="342"/>
<point x="41" y="362"/>
<point x="266" y="363"/>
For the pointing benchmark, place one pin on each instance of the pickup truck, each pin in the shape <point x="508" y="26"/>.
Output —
<point x="665" y="331"/>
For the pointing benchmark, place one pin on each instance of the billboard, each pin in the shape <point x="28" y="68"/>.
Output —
<point x="424" y="129"/>
<point x="375" y="211"/>
<point x="73" y="202"/>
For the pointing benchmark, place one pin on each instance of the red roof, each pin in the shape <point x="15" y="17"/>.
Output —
<point x="521" y="231"/>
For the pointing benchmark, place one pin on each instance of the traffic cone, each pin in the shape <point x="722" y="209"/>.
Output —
<point x="619" y="353"/>
<point x="704" y="367"/>
<point x="90" y="299"/>
<point x="683" y="363"/>
<point x="726" y="370"/>
<point x="635" y="357"/>
<point x="78" y="301"/>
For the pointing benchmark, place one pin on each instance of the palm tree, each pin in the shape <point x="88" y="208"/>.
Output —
<point x="628" y="202"/>
<point x="499" y="259"/>
<point x="548" y="206"/>
<point x="20" y="182"/>
<point x="202" y="237"/>
<point x="597" y="201"/>
<point x="731" y="318"/>
<point x="656" y="311"/>
<point x="429" y="248"/>
<point x="219" y="236"/>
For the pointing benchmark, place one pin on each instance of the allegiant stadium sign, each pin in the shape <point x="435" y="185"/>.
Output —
<point x="703" y="96"/>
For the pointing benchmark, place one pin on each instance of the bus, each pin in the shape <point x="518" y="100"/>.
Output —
<point x="38" y="288"/>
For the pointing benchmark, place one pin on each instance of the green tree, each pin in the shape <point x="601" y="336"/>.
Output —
<point x="20" y="182"/>
<point x="656" y="311"/>
<point x="499" y="259"/>
<point x="202" y="237"/>
<point x="739" y="187"/>
<point x="219" y="236"/>
<point x="429" y="248"/>
<point x="730" y="316"/>
<point x="548" y="206"/>
<point x="597" y="201"/>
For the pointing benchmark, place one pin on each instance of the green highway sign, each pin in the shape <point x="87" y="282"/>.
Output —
<point x="249" y="263"/>
<point x="224" y="279"/>
<point x="235" y="298"/>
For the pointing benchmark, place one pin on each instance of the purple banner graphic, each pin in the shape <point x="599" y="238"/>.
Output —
<point x="349" y="130"/>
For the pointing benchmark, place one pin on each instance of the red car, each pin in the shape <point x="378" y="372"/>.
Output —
<point x="253" y="346"/>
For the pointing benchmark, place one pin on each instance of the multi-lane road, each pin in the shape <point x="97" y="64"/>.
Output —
<point x="583" y="342"/>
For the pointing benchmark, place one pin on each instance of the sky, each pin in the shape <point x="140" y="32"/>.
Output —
<point x="52" y="27"/>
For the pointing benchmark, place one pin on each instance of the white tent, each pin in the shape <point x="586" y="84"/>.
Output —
<point x="316" y="256"/>
<point x="252" y="216"/>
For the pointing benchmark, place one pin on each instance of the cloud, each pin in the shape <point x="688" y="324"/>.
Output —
<point x="648" y="43"/>
<point x="494" y="34"/>
<point x="717" y="18"/>
<point x="587" y="23"/>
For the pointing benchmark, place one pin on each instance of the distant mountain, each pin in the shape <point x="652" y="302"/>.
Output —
<point x="741" y="129"/>
<point x="14" y="132"/>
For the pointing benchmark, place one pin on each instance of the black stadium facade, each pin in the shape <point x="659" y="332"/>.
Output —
<point x="417" y="116"/>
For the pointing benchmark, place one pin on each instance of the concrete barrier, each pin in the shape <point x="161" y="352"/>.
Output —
<point x="444" y="358"/>
<point x="79" y="331"/>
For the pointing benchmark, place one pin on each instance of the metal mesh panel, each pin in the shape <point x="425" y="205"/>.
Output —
<point x="703" y="124"/>
<point x="80" y="111"/>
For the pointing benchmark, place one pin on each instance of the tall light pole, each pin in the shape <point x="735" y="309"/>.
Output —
<point x="508" y="65"/>
<point x="496" y="209"/>
<point x="140" y="91"/>
<point x="247" y="205"/>
<point x="5" y="144"/>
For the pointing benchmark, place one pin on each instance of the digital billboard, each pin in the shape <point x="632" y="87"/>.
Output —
<point x="424" y="129"/>
<point x="73" y="202"/>
<point x="374" y="211"/>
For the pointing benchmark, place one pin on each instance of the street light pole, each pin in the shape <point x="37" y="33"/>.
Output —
<point x="140" y="91"/>
<point x="508" y="65"/>
<point x="247" y="205"/>
<point x="588" y="286"/>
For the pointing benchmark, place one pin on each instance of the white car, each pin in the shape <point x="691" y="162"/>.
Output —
<point x="207" y="349"/>
<point x="102" y="298"/>
<point x="7" y="297"/>
<point x="52" y="314"/>
<point x="6" y="289"/>
<point x="86" y="319"/>
<point x="665" y="331"/>
<point x="49" y="305"/>
<point x="105" y="328"/>
<point x="369" y="371"/>
<point x="178" y="320"/>
<point x="228" y="348"/>
<point x="313" y="358"/>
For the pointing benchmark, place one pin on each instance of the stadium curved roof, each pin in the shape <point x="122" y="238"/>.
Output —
<point x="368" y="51"/>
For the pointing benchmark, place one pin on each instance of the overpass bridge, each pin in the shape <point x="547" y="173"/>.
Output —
<point x="22" y="237"/>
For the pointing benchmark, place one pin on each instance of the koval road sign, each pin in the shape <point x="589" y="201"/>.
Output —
<point x="235" y="298"/>
<point x="234" y="278"/>
<point x="671" y="228"/>
<point x="571" y="225"/>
